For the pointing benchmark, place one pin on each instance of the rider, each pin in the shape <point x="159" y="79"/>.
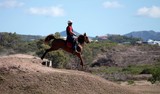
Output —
<point x="70" y="34"/>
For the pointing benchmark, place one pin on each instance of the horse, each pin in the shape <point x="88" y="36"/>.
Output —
<point x="58" y="43"/>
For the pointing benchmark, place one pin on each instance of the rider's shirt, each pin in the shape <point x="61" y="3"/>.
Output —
<point x="69" y="30"/>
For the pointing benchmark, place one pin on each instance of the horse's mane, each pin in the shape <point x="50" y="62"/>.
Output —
<point x="48" y="38"/>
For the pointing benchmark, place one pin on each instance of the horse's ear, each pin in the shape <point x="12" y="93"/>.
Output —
<point x="85" y="34"/>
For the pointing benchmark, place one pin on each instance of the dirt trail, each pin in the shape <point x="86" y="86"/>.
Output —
<point x="24" y="74"/>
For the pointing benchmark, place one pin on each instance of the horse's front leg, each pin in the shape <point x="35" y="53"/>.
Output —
<point x="45" y="53"/>
<point x="80" y="57"/>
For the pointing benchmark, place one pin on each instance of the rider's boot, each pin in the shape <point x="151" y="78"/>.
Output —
<point x="75" y="47"/>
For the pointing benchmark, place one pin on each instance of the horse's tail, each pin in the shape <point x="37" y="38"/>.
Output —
<point x="48" y="38"/>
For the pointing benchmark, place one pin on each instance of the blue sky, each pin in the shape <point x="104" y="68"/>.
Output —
<point x="95" y="17"/>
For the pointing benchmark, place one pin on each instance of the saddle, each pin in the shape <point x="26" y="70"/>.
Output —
<point x="70" y="45"/>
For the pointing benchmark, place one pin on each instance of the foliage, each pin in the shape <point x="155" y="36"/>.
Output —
<point x="121" y="39"/>
<point x="126" y="70"/>
<point x="58" y="59"/>
<point x="133" y="69"/>
<point x="130" y="82"/>
<point x="92" y="49"/>
<point x="9" y="40"/>
<point x="130" y="70"/>
<point x="29" y="38"/>
<point x="155" y="74"/>
<point x="12" y="43"/>
<point x="57" y="35"/>
<point x="106" y="70"/>
<point x="145" y="69"/>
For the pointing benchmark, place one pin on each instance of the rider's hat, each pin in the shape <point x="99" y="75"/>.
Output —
<point x="70" y="21"/>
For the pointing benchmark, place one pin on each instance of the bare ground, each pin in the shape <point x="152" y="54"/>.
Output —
<point x="24" y="74"/>
<point x="143" y="86"/>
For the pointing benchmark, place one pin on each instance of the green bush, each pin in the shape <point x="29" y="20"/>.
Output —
<point x="58" y="58"/>
<point x="130" y="82"/>
<point x="11" y="43"/>
<point x="155" y="75"/>
<point x="133" y="69"/>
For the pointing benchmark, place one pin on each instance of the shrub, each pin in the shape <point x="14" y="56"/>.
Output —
<point x="132" y="69"/>
<point x="146" y="71"/>
<point x="130" y="82"/>
<point x="155" y="75"/>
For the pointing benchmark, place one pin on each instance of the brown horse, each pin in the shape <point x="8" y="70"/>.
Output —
<point x="62" y="44"/>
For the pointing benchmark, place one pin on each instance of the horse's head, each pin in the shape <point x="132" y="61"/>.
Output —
<point x="83" y="38"/>
<point x="86" y="39"/>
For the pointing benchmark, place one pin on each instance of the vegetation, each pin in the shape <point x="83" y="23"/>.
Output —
<point x="92" y="49"/>
<point x="155" y="74"/>
<point x="124" y="72"/>
<point x="122" y="39"/>
<point x="130" y="82"/>
<point x="11" y="43"/>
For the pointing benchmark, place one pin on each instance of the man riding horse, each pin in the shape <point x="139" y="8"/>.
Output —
<point x="70" y="35"/>
<point x="58" y="43"/>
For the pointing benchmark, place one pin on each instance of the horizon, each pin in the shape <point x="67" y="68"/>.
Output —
<point x="87" y="35"/>
<point x="96" y="18"/>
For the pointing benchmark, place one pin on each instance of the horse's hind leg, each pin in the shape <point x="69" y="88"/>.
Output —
<point x="48" y="50"/>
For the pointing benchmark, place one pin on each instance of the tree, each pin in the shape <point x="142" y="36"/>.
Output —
<point x="57" y="35"/>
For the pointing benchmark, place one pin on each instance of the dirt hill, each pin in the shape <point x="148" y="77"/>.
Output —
<point x="24" y="74"/>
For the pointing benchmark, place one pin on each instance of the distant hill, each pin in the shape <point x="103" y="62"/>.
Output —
<point x="145" y="35"/>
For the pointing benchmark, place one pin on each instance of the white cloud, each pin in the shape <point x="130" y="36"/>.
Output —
<point x="153" y="12"/>
<point x="47" y="11"/>
<point x="112" y="4"/>
<point x="11" y="4"/>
